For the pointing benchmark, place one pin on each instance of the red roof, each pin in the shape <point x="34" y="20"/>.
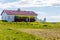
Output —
<point x="16" y="12"/>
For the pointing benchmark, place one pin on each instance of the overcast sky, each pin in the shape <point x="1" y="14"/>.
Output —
<point x="44" y="8"/>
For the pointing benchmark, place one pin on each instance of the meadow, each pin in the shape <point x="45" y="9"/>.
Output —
<point x="29" y="31"/>
<point x="37" y="25"/>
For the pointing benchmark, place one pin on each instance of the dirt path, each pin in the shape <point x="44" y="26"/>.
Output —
<point x="48" y="34"/>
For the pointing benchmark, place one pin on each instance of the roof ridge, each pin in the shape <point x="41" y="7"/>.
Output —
<point x="15" y="12"/>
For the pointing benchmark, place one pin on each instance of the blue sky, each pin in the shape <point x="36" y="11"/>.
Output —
<point x="44" y="8"/>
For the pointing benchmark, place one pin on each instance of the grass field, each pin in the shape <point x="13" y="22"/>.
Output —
<point x="11" y="34"/>
<point x="30" y="25"/>
<point x="29" y="31"/>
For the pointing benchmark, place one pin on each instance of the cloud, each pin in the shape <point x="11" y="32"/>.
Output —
<point x="41" y="15"/>
<point x="53" y="19"/>
<point x="29" y="3"/>
<point x="6" y="1"/>
<point x="56" y="5"/>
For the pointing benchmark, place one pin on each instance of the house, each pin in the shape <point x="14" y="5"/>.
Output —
<point x="18" y="15"/>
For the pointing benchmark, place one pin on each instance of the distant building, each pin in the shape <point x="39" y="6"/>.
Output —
<point x="43" y="20"/>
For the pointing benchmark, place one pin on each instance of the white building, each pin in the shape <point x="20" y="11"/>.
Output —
<point x="10" y="15"/>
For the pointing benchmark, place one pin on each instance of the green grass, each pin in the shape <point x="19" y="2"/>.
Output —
<point x="8" y="32"/>
<point x="30" y="25"/>
<point x="11" y="34"/>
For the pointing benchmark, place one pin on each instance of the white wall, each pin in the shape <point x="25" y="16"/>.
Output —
<point x="4" y="16"/>
<point x="9" y="18"/>
<point x="0" y="17"/>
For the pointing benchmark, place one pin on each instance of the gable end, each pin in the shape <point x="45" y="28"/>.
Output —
<point x="2" y="12"/>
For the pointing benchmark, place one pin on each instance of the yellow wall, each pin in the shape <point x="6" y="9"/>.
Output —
<point x="25" y="16"/>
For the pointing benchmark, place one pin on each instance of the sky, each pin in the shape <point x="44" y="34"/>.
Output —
<point x="49" y="9"/>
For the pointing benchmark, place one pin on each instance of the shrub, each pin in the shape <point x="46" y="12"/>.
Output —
<point x="3" y="21"/>
<point x="14" y="39"/>
<point x="17" y="32"/>
<point x="9" y="29"/>
<point x="45" y="25"/>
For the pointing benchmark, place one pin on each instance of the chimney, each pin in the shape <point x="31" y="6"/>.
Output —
<point x="18" y="9"/>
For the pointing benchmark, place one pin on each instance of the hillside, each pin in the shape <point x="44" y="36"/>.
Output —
<point x="10" y="34"/>
<point x="29" y="31"/>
